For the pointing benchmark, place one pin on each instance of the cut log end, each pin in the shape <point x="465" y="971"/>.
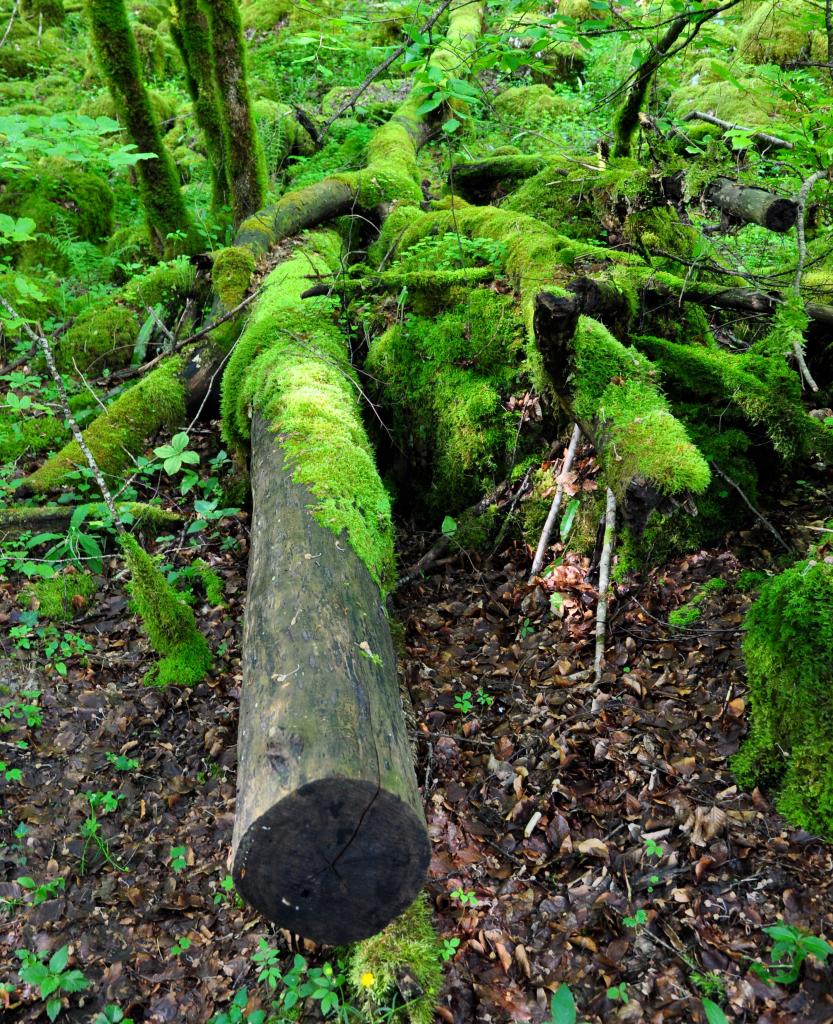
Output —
<point x="335" y="861"/>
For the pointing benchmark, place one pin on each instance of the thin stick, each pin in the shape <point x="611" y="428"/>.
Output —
<point x="604" y="582"/>
<point x="135" y="371"/>
<point x="765" y="137"/>
<point x="801" y="200"/>
<point x="11" y="22"/>
<point x="374" y="74"/>
<point x="40" y="339"/>
<point x="758" y="515"/>
<point x="555" y="508"/>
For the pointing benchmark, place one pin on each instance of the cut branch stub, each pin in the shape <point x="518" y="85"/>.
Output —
<point x="329" y="840"/>
<point x="752" y="205"/>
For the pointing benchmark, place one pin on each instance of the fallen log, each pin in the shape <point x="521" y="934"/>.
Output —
<point x="329" y="838"/>
<point x="752" y="205"/>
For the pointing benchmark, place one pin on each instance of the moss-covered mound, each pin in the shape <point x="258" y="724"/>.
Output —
<point x="409" y="943"/>
<point x="168" y="621"/>
<point x="102" y="336"/>
<point x="445" y="379"/>
<point x="789" y="659"/>
<point x="780" y="31"/>
<point x="62" y="597"/>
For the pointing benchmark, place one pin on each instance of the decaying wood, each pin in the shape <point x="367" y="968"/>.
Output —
<point x="604" y="583"/>
<point x="555" y="507"/>
<point x="763" y="137"/>
<point x="329" y="839"/>
<point x="752" y="205"/>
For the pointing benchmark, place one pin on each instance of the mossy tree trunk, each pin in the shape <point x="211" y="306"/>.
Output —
<point x="192" y="35"/>
<point x="243" y="153"/>
<point x="169" y="225"/>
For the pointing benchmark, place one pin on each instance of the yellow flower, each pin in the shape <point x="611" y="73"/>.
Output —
<point x="367" y="980"/>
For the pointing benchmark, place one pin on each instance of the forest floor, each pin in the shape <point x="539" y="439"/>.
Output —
<point x="594" y="832"/>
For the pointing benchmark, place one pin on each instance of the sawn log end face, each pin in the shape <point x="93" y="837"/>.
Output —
<point x="334" y="861"/>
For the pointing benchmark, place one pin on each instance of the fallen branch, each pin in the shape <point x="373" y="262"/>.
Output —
<point x="378" y="70"/>
<point x="765" y="137"/>
<point x="555" y="508"/>
<point x="604" y="583"/>
<point x="758" y="515"/>
<point x="752" y="205"/>
<point x="136" y="371"/>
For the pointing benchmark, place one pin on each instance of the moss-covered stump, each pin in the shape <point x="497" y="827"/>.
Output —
<point x="62" y="597"/>
<point x="789" y="658"/>
<point x="185" y="656"/>
<point x="231" y="274"/>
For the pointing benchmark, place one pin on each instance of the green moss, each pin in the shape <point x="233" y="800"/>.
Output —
<point x="445" y="380"/>
<point x="30" y="434"/>
<point x="536" y="506"/>
<point x="157" y="402"/>
<point x="530" y="103"/>
<point x="789" y="657"/>
<point x="408" y="942"/>
<point x="475" y="532"/>
<point x="168" y="622"/>
<point x="291" y="364"/>
<point x="45" y="12"/>
<point x="161" y="284"/>
<point x="23" y="57"/>
<point x="169" y="225"/>
<point x="780" y="31"/>
<point x="211" y="583"/>
<point x="55" y="596"/>
<point x="102" y="336"/>
<point x="231" y="274"/>
<point x="689" y="613"/>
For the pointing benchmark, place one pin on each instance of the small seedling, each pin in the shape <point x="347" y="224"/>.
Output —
<point x="180" y="945"/>
<point x="122" y="763"/>
<point x="449" y="948"/>
<point x="484" y="699"/>
<point x="639" y="919"/>
<point x="100" y="804"/>
<point x="226" y="892"/>
<point x="51" y="979"/>
<point x="526" y="629"/>
<point x="236" y="1012"/>
<point x="791" y="948"/>
<point x="466" y="897"/>
<point x="177" y="859"/>
<point x="463" y="703"/>
<point x="618" y="993"/>
<point x="112" y="1014"/>
<point x="652" y="848"/>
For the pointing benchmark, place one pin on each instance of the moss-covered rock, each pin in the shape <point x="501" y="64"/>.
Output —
<point x="789" y="658"/>
<point x="231" y="274"/>
<point x="780" y="31"/>
<point x="102" y="337"/>
<point x="524" y="104"/>
<point x="161" y="284"/>
<point x="408" y="942"/>
<point x="29" y="434"/>
<point x="45" y="12"/>
<point x="23" y="57"/>
<point x="168" y="622"/>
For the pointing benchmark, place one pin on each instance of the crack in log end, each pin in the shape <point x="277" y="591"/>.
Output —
<point x="286" y="861"/>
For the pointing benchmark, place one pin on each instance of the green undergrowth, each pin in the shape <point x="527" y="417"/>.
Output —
<point x="291" y="365"/>
<point x="687" y="614"/>
<point x="185" y="656"/>
<point x="444" y="380"/>
<point x="231" y="274"/>
<point x="408" y="942"/>
<point x="789" y="658"/>
<point x="155" y="403"/>
<point x="63" y="596"/>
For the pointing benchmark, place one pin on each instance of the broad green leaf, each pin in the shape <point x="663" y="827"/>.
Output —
<point x="714" y="1015"/>
<point x="563" y="1006"/>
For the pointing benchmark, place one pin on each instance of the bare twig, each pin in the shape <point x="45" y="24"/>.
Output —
<point x="604" y="582"/>
<point x="758" y="515"/>
<point x="374" y="74"/>
<point x="162" y="327"/>
<point x="540" y="551"/>
<point x="801" y="200"/>
<point x="135" y="371"/>
<point x="765" y="137"/>
<point x="11" y="22"/>
<point x="40" y="338"/>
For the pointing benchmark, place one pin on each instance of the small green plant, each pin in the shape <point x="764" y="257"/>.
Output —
<point x="41" y="893"/>
<point x="526" y="629"/>
<point x="10" y="774"/>
<point x="112" y="1014"/>
<point x="50" y="978"/>
<point x="176" y="454"/>
<point x="226" y="892"/>
<point x="708" y="984"/>
<point x="791" y="948"/>
<point x="465" y="896"/>
<point x="563" y="1007"/>
<point x="639" y="919"/>
<point x="449" y="948"/>
<point x="714" y="1015"/>
<point x="99" y="805"/>
<point x="652" y="848"/>
<point x="463" y="703"/>
<point x="180" y="945"/>
<point x="618" y="993"/>
<point x="484" y="699"/>
<point x="177" y="860"/>
<point x="237" y="1012"/>
<point x="122" y="763"/>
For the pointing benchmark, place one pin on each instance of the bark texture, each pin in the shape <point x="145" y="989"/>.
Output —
<point x="329" y="840"/>
<point x="752" y="205"/>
